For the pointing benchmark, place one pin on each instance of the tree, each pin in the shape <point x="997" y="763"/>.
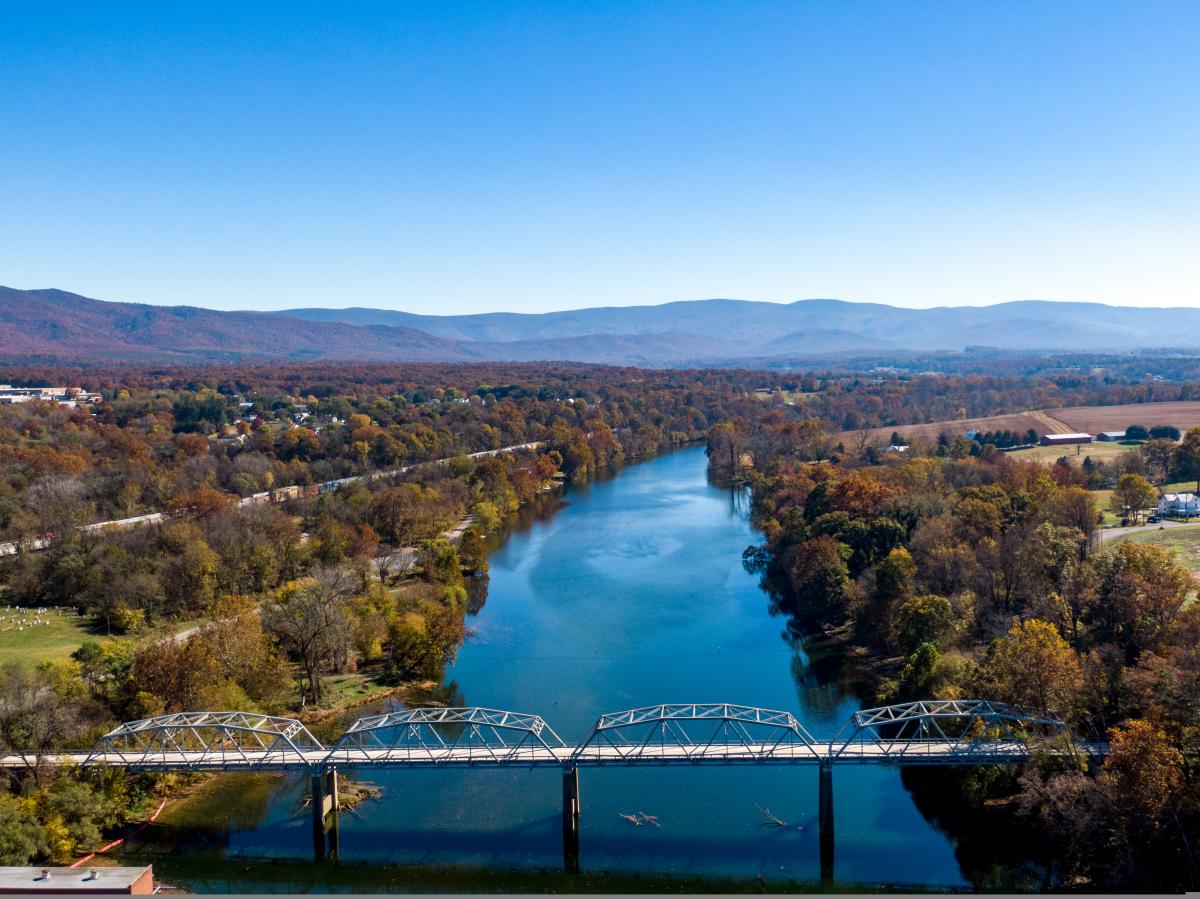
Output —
<point x="1158" y="453"/>
<point x="245" y="652"/>
<point x="922" y="619"/>
<point x="33" y="719"/>
<point x="1132" y="494"/>
<point x="310" y="619"/>
<point x="1140" y="589"/>
<point x="1187" y="457"/>
<point x="818" y="574"/>
<point x="22" y="835"/>
<point x="1136" y="432"/>
<point x="181" y="673"/>
<point x="1144" y="770"/>
<point x="1034" y="666"/>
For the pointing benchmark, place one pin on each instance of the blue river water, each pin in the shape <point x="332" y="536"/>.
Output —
<point x="628" y="592"/>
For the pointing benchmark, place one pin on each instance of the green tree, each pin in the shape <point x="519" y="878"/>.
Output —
<point x="1132" y="494"/>
<point x="1187" y="457"/>
<point x="819" y="574"/>
<point x="922" y="619"/>
<point x="22" y="835"/>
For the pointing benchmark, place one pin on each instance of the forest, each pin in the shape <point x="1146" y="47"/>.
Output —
<point x="970" y="573"/>
<point x="319" y="537"/>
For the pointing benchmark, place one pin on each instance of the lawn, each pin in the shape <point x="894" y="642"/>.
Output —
<point x="1099" y="451"/>
<point x="29" y="637"/>
<point x="1184" y="540"/>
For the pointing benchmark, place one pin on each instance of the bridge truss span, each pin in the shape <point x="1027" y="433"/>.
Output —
<point x="966" y="731"/>
<point x="695" y="734"/>
<point x="209" y="740"/>
<point x="421" y="737"/>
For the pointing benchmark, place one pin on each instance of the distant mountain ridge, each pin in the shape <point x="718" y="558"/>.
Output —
<point x="54" y="325"/>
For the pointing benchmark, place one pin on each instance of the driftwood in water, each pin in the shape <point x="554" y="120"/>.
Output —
<point x="637" y="819"/>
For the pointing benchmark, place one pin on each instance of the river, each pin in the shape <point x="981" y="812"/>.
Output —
<point x="625" y="592"/>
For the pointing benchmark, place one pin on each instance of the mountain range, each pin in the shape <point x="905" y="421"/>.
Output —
<point x="56" y="326"/>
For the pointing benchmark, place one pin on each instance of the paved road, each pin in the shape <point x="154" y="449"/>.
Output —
<point x="1113" y="533"/>
<point x="895" y="752"/>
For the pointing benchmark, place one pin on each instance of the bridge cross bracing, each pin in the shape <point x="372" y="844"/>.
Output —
<point x="943" y="732"/>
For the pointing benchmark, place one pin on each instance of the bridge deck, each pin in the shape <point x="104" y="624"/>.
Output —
<point x="903" y="752"/>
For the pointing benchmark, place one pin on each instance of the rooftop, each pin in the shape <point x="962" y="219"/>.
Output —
<point x="120" y="881"/>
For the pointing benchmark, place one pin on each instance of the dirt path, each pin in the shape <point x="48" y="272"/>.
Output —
<point x="1050" y="423"/>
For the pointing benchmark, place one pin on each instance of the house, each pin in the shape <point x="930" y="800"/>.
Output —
<point x="1065" y="439"/>
<point x="1179" y="505"/>
<point x="1111" y="436"/>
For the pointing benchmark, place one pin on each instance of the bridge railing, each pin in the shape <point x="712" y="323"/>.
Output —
<point x="470" y="736"/>
<point x="934" y="731"/>
<point x="964" y="731"/>
<point x="696" y="733"/>
<point x="203" y="740"/>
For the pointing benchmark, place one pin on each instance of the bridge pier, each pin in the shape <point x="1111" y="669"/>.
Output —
<point x="325" y="834"/>
<point x="825" y="819"/>
<point x="570" y="820"/>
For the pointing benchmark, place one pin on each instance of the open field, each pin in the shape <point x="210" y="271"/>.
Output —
<point x="1019" y="422"/>
<point x="1091" y="419"/>
<point x="30" y="637"/>
<point x="1185" y="541"/>
<point x="1075" y="453"/>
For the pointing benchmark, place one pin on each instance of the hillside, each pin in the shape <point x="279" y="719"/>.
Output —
<point x="56" y="325"/>
<point x="53" y="325"/>
<point x="811" y="328"/>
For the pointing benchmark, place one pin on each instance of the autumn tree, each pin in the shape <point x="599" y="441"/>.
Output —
<point x="310" y="618"/>
<point x="1132" y="494"/>
<point x="1033" y="666"/>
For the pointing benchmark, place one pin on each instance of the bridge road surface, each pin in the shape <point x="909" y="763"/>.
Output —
<point x="895" y="752"/>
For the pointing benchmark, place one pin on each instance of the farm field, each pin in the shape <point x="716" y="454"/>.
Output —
<point x="1016" y="421"/>
<point x="1091" y="419"/>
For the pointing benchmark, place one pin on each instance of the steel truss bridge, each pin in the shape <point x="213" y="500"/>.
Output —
<point x="929" y="732"/>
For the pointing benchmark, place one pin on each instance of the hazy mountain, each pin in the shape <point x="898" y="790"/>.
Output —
<point x="54" y="325"/>
<point x="815" y="327"/>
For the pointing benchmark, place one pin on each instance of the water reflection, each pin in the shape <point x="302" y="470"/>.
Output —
<point x="630" y="591"/>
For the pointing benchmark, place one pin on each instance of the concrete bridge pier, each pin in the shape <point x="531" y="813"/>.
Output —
<point x="570" y="820"/>
<point x="325" y="814"/>
<point x="825" y="819"/>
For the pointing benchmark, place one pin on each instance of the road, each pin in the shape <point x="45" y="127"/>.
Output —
<point x="1108" y="534"/>
<point x="892" y="752"/>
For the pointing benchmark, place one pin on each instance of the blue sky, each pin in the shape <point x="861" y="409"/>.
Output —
<point x="463" y="157"/>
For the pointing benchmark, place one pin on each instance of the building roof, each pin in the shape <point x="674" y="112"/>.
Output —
<point x="1112" y="433"/>
<point x="1065" y="436"/>
<point x="71" y="880"/>
<point x="1179" y="497"/>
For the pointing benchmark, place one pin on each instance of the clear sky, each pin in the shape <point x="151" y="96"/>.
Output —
<point x="462" y="157"/>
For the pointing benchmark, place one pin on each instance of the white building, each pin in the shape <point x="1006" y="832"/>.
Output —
<point x="1179" y="505"/>
<point x="64" y="396"/>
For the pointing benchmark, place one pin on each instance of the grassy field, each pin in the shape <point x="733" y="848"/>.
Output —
<point x="1185" y="541"/>
<point x="1075" y="454"/>
<point x="30" y="637"/>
